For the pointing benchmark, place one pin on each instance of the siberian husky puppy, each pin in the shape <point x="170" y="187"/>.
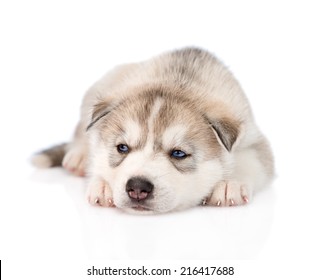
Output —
<point x="166" y="134"/>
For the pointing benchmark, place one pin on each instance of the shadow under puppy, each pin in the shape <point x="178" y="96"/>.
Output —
<point x="166" y="134"/>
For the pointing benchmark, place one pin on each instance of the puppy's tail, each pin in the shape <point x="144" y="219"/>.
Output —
<point x="50" y="157"/>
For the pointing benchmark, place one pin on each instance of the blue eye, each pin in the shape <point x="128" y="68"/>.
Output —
<point x="123" y="149"/>
<point x="178" y="154"/>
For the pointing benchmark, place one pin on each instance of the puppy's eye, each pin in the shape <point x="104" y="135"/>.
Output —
<point x="123" y="149"/>
<point x="178" y="154"/>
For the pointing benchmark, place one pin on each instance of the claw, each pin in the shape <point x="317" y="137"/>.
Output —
<point x="204" y="202"/>
<point x="96" y="201"/>
<point x="218" y="203"/>
<point x="231" y="202"/>
<point x="110" y="201"/>
<point x="246" y="199"/>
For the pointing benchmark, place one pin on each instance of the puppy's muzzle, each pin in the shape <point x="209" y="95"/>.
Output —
<point x="139" y="188"/>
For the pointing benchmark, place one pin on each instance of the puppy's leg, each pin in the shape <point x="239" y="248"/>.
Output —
<point x="99" y="193"/>
<point x="253" y="169"/>
<point x="75" y="159"/>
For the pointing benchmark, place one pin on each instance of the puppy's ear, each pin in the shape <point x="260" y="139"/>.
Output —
<point x="99" y="110"/>
<point x="226" y="130"/>
<point x="224" y="124"/>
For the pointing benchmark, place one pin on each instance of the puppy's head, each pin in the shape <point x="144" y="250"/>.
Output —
<point x="158" y="152"/>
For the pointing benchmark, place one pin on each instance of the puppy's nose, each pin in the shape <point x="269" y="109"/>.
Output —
<point x="139" y="188"/>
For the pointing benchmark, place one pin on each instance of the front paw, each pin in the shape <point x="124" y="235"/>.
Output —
<point x="229" y="193"/>
<point x="99" y="193"/>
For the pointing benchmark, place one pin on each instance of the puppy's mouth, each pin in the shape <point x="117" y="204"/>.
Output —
<point x="140" y="208"/>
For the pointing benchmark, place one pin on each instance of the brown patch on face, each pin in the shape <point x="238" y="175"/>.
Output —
<point x="115" y="158"/>
<point x="111" y="125"/>
<point x="199" y="141"/>
<point x="187" y="165"/>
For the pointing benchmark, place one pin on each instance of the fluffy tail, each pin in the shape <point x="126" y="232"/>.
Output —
<point x="50" y="157"/>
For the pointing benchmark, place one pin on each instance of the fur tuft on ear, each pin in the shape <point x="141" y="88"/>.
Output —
<point x="99" y="110"/>
<point x="226" y="130"/>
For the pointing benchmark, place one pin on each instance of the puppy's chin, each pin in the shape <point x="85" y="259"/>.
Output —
<point x="144" y="209"/>
<point x="138" y="210"/>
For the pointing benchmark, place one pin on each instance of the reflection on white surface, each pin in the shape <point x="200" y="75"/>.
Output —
<point x="198" y="233"/>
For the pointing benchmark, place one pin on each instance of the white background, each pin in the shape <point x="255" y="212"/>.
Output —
<point x="52" y="51"/>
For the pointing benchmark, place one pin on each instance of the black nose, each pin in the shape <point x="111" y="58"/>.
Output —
<point x="139" y="188"/>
